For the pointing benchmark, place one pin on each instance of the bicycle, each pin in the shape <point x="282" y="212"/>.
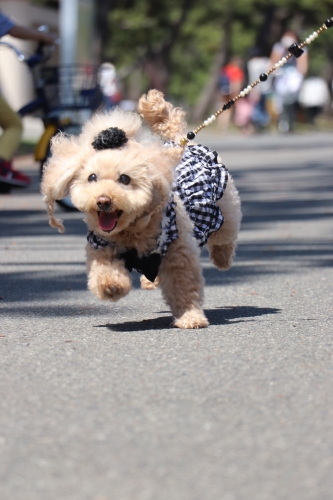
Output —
<point x="66" y="96"/>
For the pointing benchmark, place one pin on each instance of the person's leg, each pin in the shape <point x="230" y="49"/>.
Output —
<point x="284" y="119"/>
<point x="292" y="116"/>
<point x="10" y="140"/>
<point x="12" y="127"/>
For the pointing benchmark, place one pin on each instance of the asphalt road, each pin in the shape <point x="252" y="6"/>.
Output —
<point x="108" y="402"/>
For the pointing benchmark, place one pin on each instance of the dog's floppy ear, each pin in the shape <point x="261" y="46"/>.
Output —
<point x="59" y="173"/>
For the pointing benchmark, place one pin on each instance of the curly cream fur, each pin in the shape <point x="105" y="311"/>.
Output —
<point x="139" y="206"/>
<point x="164" y="119"/>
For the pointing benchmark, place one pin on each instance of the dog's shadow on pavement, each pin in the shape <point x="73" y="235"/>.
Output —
<point x="219" y="316"/>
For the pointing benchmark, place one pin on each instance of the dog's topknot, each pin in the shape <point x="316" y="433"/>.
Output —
<point x="109" y="138"/>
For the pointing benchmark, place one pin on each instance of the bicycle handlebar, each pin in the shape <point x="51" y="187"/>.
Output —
<point x="20" y="55"/>
<point x="41" y="55"/>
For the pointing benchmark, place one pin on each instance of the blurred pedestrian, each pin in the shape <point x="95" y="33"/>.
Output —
<point x="313" y="97"/>
<point x="243" y="115"/>
<point x="288" y="80"/>
<point x="256" y="65"/>
<point x="10" y="121"/>
<point x="230" y="84"/>
<point x="108" y="81"/>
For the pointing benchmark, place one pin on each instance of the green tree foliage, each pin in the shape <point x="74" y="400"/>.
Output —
<point x="178" y="46"/>
<point x="173" y="44"/>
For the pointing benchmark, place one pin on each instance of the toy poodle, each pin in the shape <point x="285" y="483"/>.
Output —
<point x="149" y="204"/>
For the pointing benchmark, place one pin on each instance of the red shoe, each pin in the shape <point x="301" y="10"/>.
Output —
<point x="12" y="177"/>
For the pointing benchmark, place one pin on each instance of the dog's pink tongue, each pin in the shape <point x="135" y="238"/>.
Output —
<point x="108" y="220"/>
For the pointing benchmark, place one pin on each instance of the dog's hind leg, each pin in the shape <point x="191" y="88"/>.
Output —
<point x="222" y="256"/>
<point x="222" y="244"/>
<point x="148" y="285"/>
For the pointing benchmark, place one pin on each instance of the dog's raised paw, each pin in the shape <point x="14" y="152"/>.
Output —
<point x="107" y="289"/>
<point x="192" y="319"/>
<point x="114" y="292"/>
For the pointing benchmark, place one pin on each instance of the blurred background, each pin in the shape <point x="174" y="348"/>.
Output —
<point x="199" y="54"/>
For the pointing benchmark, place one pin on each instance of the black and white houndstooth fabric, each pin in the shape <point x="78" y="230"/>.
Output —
<point x="200" y="182"/>
<point x="169" y="231"/>
<point x="97" y="241"/>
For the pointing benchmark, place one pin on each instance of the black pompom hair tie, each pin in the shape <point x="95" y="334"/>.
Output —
<point x="110" y="138"/>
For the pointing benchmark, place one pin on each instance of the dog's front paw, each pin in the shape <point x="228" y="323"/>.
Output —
<point x="110" y="288"/>
<point x="115" y="291"/>
<point x="192" y="319"/>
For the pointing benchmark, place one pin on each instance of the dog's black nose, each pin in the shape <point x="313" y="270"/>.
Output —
<point x="103" y="202"/>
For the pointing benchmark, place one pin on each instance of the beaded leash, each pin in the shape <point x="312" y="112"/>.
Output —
<point x="294" y="50"/>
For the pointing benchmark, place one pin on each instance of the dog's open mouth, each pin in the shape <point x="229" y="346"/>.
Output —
<point x="108" y="220"/>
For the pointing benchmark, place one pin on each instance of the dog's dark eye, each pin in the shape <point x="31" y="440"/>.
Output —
<point x="124" y="179"/>
<point x="92" y="178"/>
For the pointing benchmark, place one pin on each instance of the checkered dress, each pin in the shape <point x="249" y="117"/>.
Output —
<point x="98" y="242"/>
<point x="200" y="182"/>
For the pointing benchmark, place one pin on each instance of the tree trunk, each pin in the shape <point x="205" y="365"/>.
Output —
<point x="157" y="72"/>
<point x="208" y="93"/>
<point x="156" y="64"/>
<point x="103" y="7"/>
